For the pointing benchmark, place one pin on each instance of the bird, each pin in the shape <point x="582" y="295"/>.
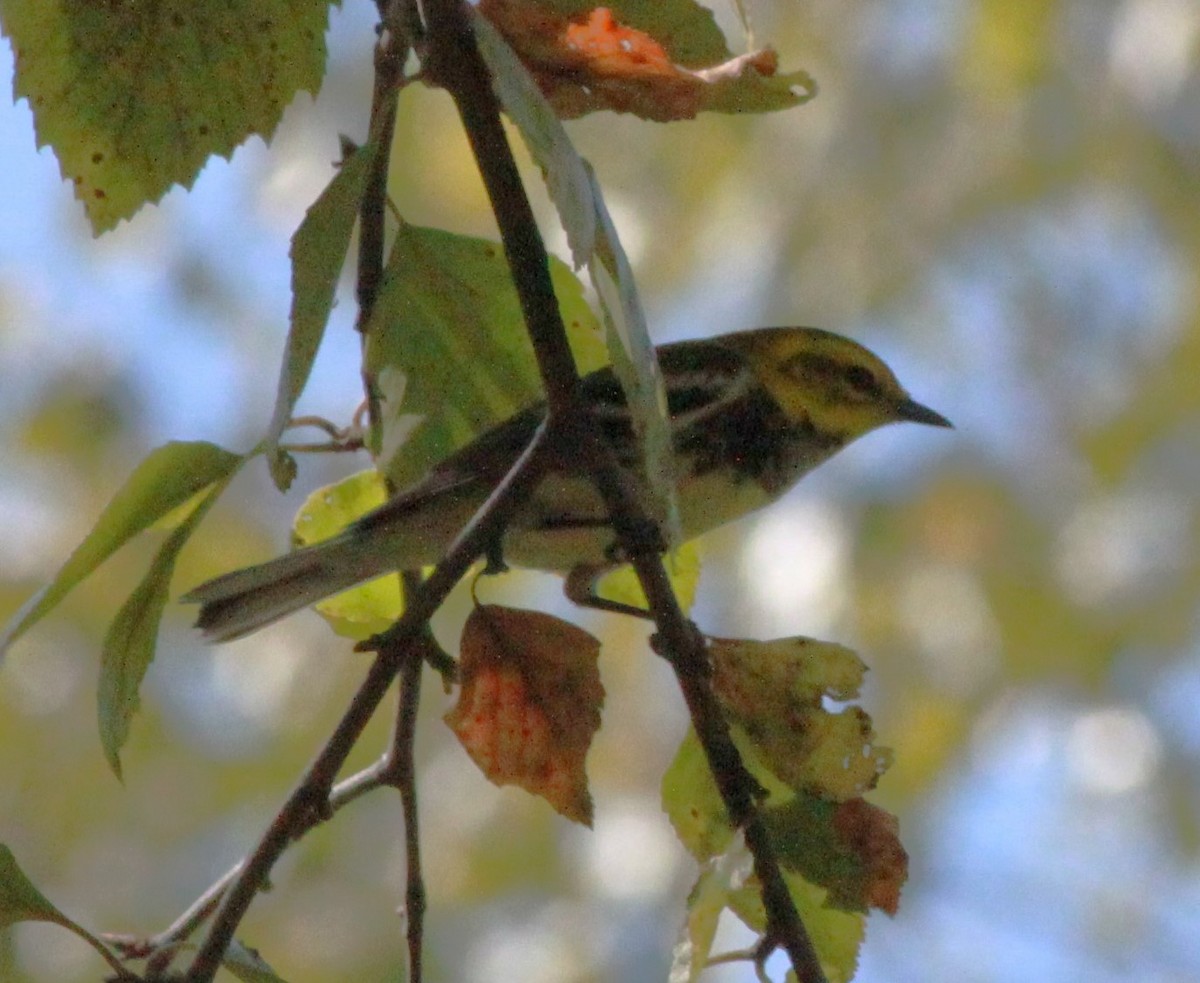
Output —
<point x="751" y="412"/>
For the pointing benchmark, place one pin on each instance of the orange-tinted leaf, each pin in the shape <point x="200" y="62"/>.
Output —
<point x="852" y="849"/>
<point x="686" y="29"/>
<point x="621" y="49"/>
<point x="873" y="835"/>
<point x="592" y="61"/>
<point x="530" y="703"/>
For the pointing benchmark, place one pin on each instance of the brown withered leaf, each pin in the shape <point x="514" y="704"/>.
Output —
<point x="530" y="703"/>
<point x="592" y="61"/>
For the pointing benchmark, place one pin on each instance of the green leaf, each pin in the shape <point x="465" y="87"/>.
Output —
<point x="738" y="88"/>
<point x="130" y="642"/>
<point x="727" y="882"/>
<point x="852" y="849"/>
<point x="836" y="935"/>
<point x="167" y="478"/>
<point x="447" y="351"/>
<point x="372" y="607"/>
<point x="20" y="901"/>
<point x="683" y="568"/>
<point x="136" y="96"/>
<point x="318" y="253"/>
<point x="803" y="835"/>
<point x="706" y="901"/>
<point x="692" y="803"/>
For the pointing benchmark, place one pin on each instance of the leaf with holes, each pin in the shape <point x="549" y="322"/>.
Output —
<point x="530" y="703"/>
<point x="136" y="97"/>
<point x="776" y="693"/>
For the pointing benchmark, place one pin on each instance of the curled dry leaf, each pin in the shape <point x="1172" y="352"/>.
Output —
<point x="530" y="703"/>
<point x="592" y="61"/>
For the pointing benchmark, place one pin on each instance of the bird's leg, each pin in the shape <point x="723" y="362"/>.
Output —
<point x="580" y="588"/>
<point x="494" y="558"/>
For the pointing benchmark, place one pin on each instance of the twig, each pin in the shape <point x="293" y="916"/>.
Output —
<point x="683" y="646"/>
<point x="402" y="774"/>
<point x="324" y="447"/>
<point x="308" y="804"/>
<point x="390" y="53"/>
<point x="167" y="941"/>
<point x="340" y="438"/>
<point x="320" y="423"/>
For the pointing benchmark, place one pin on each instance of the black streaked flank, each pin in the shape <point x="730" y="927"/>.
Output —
<point x="756" y="437"/>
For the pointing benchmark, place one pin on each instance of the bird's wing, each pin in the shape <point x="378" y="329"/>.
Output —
<point x="478" y="465"/>
<point x="701" y="378"/>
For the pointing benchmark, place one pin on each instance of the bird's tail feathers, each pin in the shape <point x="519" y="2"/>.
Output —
<point x="245" y="600"/>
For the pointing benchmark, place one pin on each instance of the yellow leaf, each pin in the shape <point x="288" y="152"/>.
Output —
<point x="776" y="691"/>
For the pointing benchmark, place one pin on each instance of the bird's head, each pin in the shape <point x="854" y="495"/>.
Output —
<point x="829" y="381"/>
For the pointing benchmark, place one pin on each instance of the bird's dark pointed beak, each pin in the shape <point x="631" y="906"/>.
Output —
<point x="910" y="409"/>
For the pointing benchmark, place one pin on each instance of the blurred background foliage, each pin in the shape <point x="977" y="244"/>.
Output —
<point x="1000" y="196"/>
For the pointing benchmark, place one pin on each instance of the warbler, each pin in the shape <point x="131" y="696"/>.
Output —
<point x="751" y="413"/>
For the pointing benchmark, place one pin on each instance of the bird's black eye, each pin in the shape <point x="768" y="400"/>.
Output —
<point x="860" y="378"/>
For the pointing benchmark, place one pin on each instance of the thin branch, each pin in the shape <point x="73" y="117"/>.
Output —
<point x="308" y="804"/>
<point x="340" y="438"/>
<point x="390" y="53"/>
<point x="402" y="774"/>
<point x="320" y="423"/>
<point x="168" y="941"/>
<point x="414" y="894"/>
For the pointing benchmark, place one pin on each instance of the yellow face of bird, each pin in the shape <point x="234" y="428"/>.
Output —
<point x="830" y="381"/>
